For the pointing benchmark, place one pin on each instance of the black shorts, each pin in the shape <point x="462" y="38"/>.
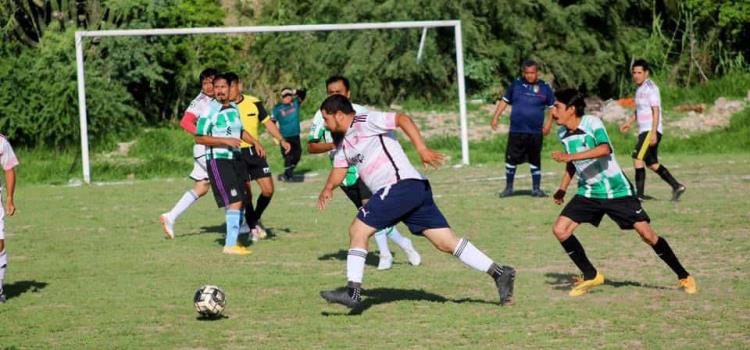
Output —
<point x="227" y="181"/>
<point x="624" y="211"/>
<point x="255" y="166"/>
<point x="524" y="148"/>
<point x="357" y="193"/>
<point x="652" y="153"/>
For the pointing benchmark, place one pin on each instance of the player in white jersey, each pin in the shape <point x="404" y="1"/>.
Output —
<point x="320" y="141"/>
<point x="200" y="106"/>
<point x="8" y="162"/>
<point x="648" y="113"/>
<point x="400" y="194"/>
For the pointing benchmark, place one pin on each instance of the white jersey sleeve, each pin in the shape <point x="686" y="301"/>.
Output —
<point x="8" y="158"/>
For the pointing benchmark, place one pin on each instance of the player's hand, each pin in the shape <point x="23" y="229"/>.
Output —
<point x="653" y="140"/>
<point x="259" y="149"/>
<point x="493" y="124"/>
<point x="10" y="208"/>
<point x="232" y="142"/>
<point x="625" y="127"/>
<point x="559" y="196"/>
<point x="431" y="158"/>
<point x="325" y="196"/>
<point x="560" y="157"/>
<point x="286" y="146"/>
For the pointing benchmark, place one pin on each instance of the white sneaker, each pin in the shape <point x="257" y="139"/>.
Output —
<point x="386" y="262"/>
<point x="254" y="235"/>
<point x="167" y="225"/>
<point x="411" y="253"/>
<point x="244" y="229"/>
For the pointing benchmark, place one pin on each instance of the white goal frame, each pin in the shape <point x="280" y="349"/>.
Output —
<point x="456" y="24"/>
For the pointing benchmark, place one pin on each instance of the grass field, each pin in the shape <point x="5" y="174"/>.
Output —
<point x="89" y="268"/>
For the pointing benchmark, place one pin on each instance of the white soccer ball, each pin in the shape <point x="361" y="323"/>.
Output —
<point x="209" y="301"/>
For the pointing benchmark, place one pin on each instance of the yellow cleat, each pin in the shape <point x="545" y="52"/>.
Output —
<point x="237" y="250"/>
<point x="688" y="285"/>
<point x="583" y="287"/>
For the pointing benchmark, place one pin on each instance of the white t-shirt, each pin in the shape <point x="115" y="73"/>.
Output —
<point x="371" y="146"/>
<point x="8" y="158"/>
<point x="647" y="96"/>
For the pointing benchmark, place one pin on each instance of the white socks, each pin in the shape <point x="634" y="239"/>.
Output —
<point x="355" y="264"/>
<point x="470" y="255"/>
<point x="381" y="238"/>
<point x="188" y="198"/>
<point x="3" y="266"/>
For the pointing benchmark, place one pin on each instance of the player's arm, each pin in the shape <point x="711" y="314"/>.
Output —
<point x="547" y="123"/>
<point x="188" y="122"/>
<point x="272" y="129"/>
<point x="217" y="141"/>
<point x="314" y="147"/>
<point x="559" y="195"/>
<point x="10" y="185"/>
<point x="428" y="156"/>
<point x="501" y="105"/>
<point x="626" y="125"/>
<point x="335" y="178"/>
<point x="655" y="110"/>
<point x="602" y="150"/>
<point x="301" y="94"/>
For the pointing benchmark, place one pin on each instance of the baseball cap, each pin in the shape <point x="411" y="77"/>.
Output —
<point x="287" y="92"/>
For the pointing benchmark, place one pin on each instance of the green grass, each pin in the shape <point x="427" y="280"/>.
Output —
<point x="89" y="268"/>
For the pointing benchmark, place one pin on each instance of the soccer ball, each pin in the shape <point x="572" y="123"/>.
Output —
<point x="209" y="301"/>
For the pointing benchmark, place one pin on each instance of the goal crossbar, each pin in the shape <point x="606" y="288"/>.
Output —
<point x="456" y="24"/>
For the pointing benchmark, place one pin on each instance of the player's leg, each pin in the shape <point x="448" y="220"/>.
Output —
<point x="264" y="199"/>
<point x="200" y="188"/>
<point x="664" y="251"/>
<point x="535" y="164"/>
<point x="228" y="187"/>
<point x="385" y="257"/>
<point x="512" y="151"/>
<point x="578" y="210"/>
<point x="406" y="245"/>
<point x="295" y="155"/>
<point x="653" y="163"/>
<point x="3" y="258"/>
<point x="640" y="167"/>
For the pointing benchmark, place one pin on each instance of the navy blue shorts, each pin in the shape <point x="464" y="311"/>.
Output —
<point x="408" y="201"/>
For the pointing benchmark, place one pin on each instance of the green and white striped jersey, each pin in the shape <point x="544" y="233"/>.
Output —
<point x="221" y="122"/>
<point x="602" y="177"/>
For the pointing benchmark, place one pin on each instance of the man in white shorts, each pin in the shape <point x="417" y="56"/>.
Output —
<point x="8" y="161"/>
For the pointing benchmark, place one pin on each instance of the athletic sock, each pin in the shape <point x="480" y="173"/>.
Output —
<point x="261" y="205"/>
<point x="289" y="172"/>
<point x="510" y="173"/>
<point x="495" y="271"/>
<point x="355" y="264"/>
<point x="397" y="238"/>
<point x="470" y="255"/>
<point x="3" y="267"/>
<point x="381" y="239"/>
<point x="233" y="227"/>
<point x="576" y="253"/>
<point x="187" y="199"/>
<point x="667" y="177"/>
<point x="536" y="177"/>
<point x="250" y="218"/>
<point x="640" y="181"/>
<point x="664" y="251"/>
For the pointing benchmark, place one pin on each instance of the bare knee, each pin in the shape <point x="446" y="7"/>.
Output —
<point x="646" y="232"/>
<point x="654" y="166"/>
<point x="561" y="232"/>
<point x="201" y="188"/>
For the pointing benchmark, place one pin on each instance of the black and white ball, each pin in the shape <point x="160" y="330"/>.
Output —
<point x="209" y="301"/>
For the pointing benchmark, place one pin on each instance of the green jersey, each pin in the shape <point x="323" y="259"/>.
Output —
<point x="221" y="121"/>
<point x="601" y="177"/>
<point x="319" y="133"/>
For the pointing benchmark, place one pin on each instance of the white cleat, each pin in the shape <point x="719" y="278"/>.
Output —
<point x="386" y="262"/>
<point x="411" y="254"/>
<point x="167" y="225"/>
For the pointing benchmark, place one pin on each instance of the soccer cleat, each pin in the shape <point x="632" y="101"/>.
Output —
<point x="688" y="285"/>
<point x="386" y="262"/>
<point x="237" y="250"/>
<point x="349" y="297"/>
<point x="538" y="193"/>
<point x="262" y="234"/>
<point x="582" y="286"/>
<point x="504" y="283"/>
<point x="254" y="235"/>
<point x="411" y="254"/>
<point x="507" y="192"/>
<point x="244" y="229"/>
<point x="167" y="225"/>
<point x="677" y="192"/>
<point x="644" y="197"/>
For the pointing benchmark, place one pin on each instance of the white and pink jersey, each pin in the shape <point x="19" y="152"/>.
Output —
<point x="371" y="146"/>
<point x="200" y="106"/>
<point x="8" y="158"/>
<point x="647" y="96"/>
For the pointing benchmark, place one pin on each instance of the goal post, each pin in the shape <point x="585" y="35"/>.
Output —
<point x="456" y="24"/>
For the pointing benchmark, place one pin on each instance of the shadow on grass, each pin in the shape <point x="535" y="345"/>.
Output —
<point x="244" y="238"/>
<point x="564" y="281"/>
<point x="371" y="259"/>
<point x="214" y="318"/>
<point x="19" y="287"/>
<point x="379" y="296"/>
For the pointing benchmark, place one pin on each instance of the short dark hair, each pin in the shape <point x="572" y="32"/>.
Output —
<point x="529" y="63"/>
<point x="206" y="73"/>
<point x="231" y="77"/>
<point x="641" y="63"/>
<point x="337" y="103"/>
<point x="572" y="98"/>
<point x="335" y="78"/>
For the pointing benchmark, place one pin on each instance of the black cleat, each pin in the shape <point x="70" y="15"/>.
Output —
<point x="538" y="193"/>
<point x="644" y="197"/>
<point x="677" y="192"/>
<point x="504" y="284"/>
<point x="507" y="192"/>
<point x="348" y="297"/>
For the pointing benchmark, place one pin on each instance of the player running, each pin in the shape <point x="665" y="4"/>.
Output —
<point x="648" y="114"/>
<point x="320" y="141"/>
<point x="220" y="130"/>
<point x="400" y="193"/>
<point x="199" y="106"/>
<point x="252" y="114"/>
<point x="602" y="189"/>
<point x="8" y="162"/>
